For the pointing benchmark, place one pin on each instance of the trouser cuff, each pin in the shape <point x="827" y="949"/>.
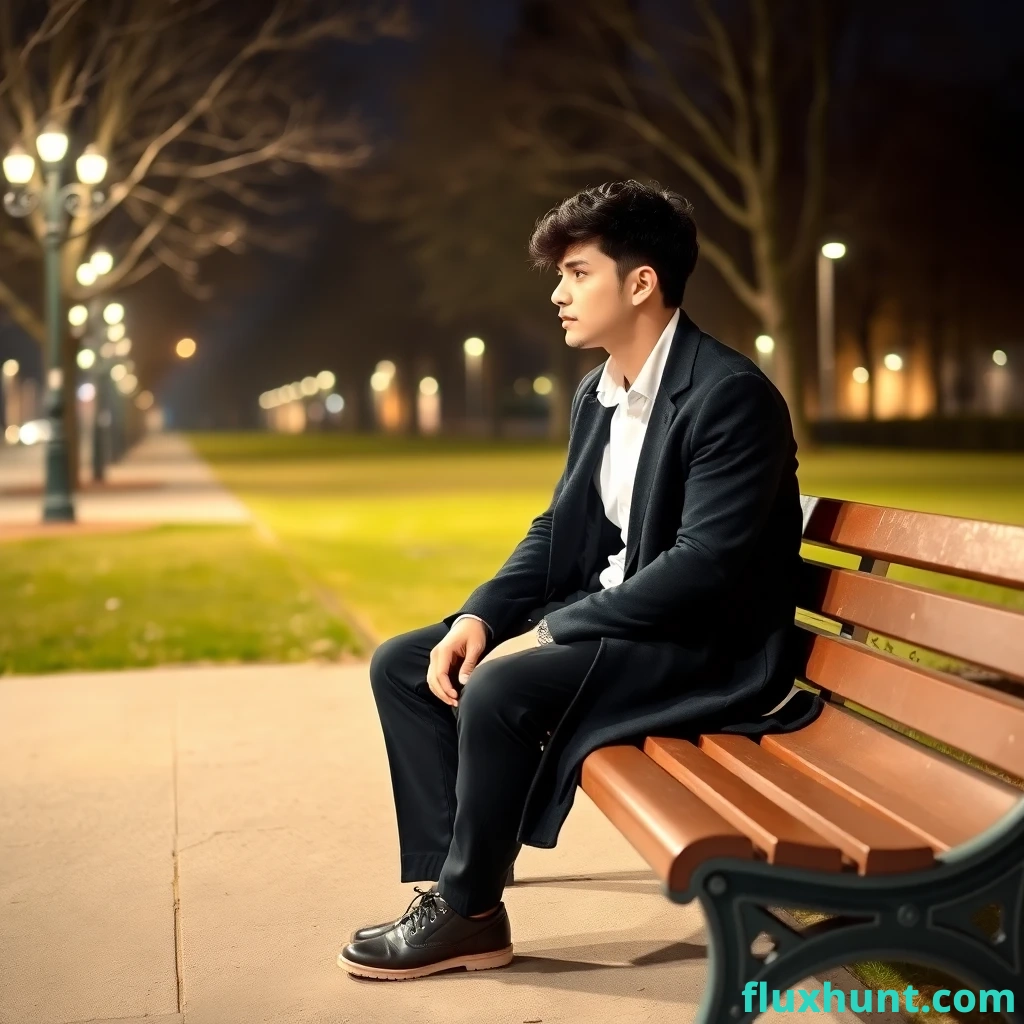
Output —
<point x="420" y="867"/>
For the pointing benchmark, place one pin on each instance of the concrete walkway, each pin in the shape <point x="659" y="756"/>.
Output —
<point x="161" y="480"/>
<point x="196" y="845"/>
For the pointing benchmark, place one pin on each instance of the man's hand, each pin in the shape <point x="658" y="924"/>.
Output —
<point x="466" y="640"/>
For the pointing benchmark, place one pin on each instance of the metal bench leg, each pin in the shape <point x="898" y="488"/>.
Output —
<point x="924" y="917"/>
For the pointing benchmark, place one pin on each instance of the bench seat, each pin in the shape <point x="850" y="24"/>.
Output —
<point x="898" y="812"/>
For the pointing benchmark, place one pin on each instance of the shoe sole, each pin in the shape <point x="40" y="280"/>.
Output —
<point x="472" y="962"/>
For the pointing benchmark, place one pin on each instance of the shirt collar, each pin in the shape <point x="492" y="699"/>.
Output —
<point x="649" y="377"/>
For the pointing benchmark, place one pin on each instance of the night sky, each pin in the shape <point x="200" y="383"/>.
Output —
<point x="277" y="318"/>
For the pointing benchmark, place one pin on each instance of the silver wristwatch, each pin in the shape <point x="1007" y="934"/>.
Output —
<point x="543" y="633"/>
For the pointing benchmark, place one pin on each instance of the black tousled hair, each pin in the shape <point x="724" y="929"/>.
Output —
<point x="634" y="224"/>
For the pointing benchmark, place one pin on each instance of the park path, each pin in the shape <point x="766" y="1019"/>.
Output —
<point x="160" y="480"/>
<point x="196" y="844"/>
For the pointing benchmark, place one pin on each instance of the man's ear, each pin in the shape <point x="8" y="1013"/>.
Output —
<point x="644" y="281"/>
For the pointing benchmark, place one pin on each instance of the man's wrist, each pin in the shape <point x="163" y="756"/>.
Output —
<point x="543" y="633"/>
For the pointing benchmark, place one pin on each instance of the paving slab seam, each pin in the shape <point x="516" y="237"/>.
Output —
<point x="179" y="967"/>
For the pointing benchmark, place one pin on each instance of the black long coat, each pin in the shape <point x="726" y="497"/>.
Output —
<point x="699" y="633"/>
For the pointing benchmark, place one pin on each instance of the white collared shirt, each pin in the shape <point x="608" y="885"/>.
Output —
<point x="616" y="472"/>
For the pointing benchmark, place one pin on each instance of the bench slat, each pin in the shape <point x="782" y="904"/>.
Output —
<point x="783" y="838"/>
<point x="875" y="843"/>
<point x="986" y="723"/>
<point x="972" y="549"/>
<point x="943" y="802"/>
<point x="671" y="828"/>
<point x="982" y="634"/>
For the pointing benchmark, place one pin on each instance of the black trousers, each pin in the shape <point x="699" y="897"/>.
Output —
<point x="460" y="781"/>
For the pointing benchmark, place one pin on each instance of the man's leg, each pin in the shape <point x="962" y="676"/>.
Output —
<point x="505" y="710"/>
<point x="421" y="740"/>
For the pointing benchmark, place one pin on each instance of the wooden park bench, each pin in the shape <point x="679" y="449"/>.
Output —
<point x="871" y="814"/>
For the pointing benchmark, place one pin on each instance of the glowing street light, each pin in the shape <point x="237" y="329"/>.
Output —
<point x="86" y="358"/>
<point x="77" y="316"/>
<point x="999" y="357"/>
<point x="861" y="374"/>
<point x="52" y="144"/>
<point x="86" y="275"/>
<point x="113" y="313"/>
<point x="186" y="348"/>
<point x="325" y="380"/>
<point x="101" y="260"/>
<point x="91" y="168"/>
<point x="893" y="362"/>
<point x="19" y="165"/>
<point x="542" y="385"/>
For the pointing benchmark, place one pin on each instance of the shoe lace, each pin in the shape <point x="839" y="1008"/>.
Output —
<point x="427" y="910"/>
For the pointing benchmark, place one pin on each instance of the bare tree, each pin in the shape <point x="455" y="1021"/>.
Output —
<point x="704" y="101"/>
<point x="210" y="116"/>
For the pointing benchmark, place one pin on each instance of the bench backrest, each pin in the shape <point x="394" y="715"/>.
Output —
<point x="938" y="658"/>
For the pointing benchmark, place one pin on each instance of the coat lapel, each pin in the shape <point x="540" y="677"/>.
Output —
<point x="585" y="450"/>
<point x="675" y="379"/>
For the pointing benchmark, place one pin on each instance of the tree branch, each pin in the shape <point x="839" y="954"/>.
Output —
<point x="646" y="129"/>
<point x="747" y="293"/>
<point x="814" y="150"/>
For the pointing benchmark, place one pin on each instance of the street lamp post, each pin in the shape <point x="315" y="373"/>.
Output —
<point x="474" y="350"/>
<point x="55" y="200"/>
<point x="827" y="255"/>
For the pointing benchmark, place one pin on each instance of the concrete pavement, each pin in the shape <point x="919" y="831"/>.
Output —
<point x="196" y="845"/>
<point x="161" y="480"/>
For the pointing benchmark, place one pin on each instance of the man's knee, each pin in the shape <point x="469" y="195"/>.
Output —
<point x="386" y="659"/>
<point x="484" y="696"/>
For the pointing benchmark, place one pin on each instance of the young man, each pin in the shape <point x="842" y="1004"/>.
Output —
<point x="654" y="595"/>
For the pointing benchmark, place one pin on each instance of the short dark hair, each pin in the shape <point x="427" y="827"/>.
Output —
<point x="634" y="224"/>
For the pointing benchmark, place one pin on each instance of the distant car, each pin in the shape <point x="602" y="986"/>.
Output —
<point x="34" y="431"/>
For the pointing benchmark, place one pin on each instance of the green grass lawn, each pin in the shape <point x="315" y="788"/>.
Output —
<point x="404" y="529"/>
<point x="158" y="596"/>
<point x="360" y="538"/>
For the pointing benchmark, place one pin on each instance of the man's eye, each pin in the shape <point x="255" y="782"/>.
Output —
<point x="578" y="272"/>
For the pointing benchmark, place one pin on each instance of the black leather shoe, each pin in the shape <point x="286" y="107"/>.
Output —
<point x="430" y="938"/>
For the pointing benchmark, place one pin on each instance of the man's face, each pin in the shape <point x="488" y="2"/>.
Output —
<point x="593" y="304"/>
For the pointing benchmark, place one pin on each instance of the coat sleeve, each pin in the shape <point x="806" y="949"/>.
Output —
<point x="519" y="585"/>
<point x="740" y="443"/>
